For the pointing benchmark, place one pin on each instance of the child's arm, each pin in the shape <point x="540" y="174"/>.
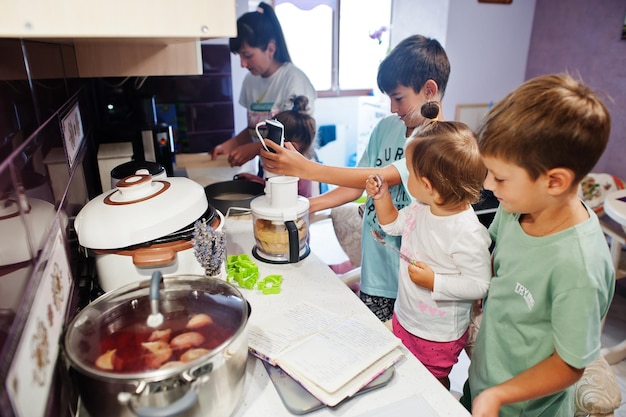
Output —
<point x="469" y="251"/>
<point x="334" y="198"/>
<point x="547" y="377"/>
<point x="288" y="161"/>
<point x="378" y="189"/>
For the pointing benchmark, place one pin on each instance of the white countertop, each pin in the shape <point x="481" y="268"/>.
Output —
<point x="313" y="281"/>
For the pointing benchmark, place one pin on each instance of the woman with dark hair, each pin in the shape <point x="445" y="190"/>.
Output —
<point x="270" y="84"/>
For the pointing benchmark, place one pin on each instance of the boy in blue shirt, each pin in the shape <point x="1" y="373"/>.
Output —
<point x="553" y="279"/>
<point x="414" y="72"/>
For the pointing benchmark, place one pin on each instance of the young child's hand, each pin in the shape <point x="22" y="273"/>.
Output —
<point x="376" y="186"/>
<point x="422" y="275"/>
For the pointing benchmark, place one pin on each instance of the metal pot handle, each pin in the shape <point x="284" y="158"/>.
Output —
<point x="184" y="403"/>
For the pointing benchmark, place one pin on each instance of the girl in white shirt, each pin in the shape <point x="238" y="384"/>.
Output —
<point x="443" y="236"/>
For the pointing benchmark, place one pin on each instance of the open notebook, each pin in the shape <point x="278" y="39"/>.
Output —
<point x="332" y="356"/>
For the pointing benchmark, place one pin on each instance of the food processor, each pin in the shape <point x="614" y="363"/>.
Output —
<point x="281" y="222"/>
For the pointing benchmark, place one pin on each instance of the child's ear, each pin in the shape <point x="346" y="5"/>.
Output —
<point x="427" y="185"/>
<point x="559" y="180"/>
<point x="431" y="89"/>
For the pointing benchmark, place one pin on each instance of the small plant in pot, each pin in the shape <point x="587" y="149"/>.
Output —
<point x="209" y="247"/>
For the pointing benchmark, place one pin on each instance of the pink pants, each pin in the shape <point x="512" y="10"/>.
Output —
<point x="437" y="357"/>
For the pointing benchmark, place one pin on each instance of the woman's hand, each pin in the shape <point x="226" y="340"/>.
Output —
<point x="223" y="148"/>
<point x="285" y="160"/>
<point x="376" y="186"/>
<point x="243" y="153"/>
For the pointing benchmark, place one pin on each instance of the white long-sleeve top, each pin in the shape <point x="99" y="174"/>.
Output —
<point x="456" y="247"/>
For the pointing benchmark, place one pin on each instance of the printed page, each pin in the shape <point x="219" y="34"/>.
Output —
<point x="333" y="357"/>
<point x="287" y="330"/>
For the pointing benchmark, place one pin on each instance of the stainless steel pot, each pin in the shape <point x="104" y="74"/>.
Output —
<point x="210" y="385"/>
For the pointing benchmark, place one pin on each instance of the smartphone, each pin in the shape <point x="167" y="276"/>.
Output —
<point x="275" y="133"/>
<point x="299" y="401"/>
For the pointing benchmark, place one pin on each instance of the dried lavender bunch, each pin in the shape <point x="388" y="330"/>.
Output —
<point x="209" y="246"/>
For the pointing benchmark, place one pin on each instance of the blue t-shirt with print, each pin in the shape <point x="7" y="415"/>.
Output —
<point x="379" y="265"/>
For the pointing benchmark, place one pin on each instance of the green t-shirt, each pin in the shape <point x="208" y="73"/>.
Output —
<point x="547" y="293"/>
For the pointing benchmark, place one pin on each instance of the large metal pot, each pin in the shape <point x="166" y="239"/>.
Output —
<point x="210" y="385"/>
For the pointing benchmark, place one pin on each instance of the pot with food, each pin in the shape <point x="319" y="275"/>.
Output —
<point x="190" y="362"/>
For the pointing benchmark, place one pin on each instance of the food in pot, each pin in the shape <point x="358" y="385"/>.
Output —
<point x="193" y="354"/>
<point x="187" y="340"/>
<point x="157" y="353"/>
<point x="199" y="320"/>
<point x="162" y="335"/>
<point x="116" y="322"/>
<point x="272" y="237"/>
<point x="180" y="339"/>
<point x="106" y="360"/>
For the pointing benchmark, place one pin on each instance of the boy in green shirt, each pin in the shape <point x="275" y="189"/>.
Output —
<point x="553" y="279"/>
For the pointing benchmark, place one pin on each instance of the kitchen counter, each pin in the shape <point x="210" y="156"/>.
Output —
<point x="312" y="281"/>
<point x="200" y="168"/>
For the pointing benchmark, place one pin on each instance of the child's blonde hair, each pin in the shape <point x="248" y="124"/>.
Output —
<point x="446" y="153"/>
<point x="549" y="121"/>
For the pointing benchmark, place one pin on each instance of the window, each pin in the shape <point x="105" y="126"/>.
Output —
<point x="337" y="43"/>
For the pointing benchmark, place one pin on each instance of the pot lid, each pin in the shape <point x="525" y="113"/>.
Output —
<point x="116" y="324"/>
<point x="186" y="233"/>
<point x="139" y="210"/>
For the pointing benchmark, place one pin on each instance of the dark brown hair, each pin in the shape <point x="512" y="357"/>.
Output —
<point x="412" y="62"/>
<point x="257" y="29"/>
<point x="549" y="121"/>
<point x="446" y="153"/>
<point x="300" y="127"/>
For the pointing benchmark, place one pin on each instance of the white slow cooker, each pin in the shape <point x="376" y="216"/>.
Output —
<point x="16" y="253"/>
<point x="145" y="224"/>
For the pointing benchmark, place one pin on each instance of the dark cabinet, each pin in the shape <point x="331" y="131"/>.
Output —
<point x="199" y="108"/>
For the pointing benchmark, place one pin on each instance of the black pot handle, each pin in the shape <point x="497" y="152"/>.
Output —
<point x="294" y="242"/>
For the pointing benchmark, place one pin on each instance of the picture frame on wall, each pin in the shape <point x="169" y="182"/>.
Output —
<point x="73" y="134"/>
<point x="624" y="29"/>
<point x="472" y="114"/>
